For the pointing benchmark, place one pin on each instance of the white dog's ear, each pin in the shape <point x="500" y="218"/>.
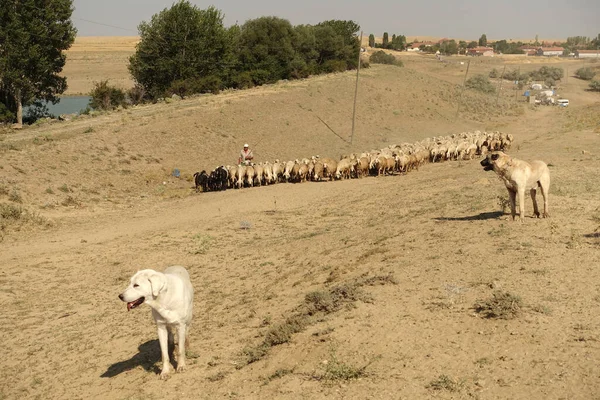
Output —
<point x="157" y="281"/>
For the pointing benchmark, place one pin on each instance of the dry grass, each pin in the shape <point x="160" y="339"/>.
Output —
<point x="14" y="217"/>
<point x="444" y="382"/>
<point x="502" y="305"/>
<point x="335" y="370"/>
<point x="316" y="305"/>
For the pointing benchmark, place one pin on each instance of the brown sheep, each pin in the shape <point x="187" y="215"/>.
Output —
<point x="250" y="175"/>
<point x="362" y="167"/>
<point x="258" y="174"/>
<point x="318" y="171"/>
<point x="329" y="168"/>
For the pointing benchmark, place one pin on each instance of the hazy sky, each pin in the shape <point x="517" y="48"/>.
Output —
<point x="466" y="19"/>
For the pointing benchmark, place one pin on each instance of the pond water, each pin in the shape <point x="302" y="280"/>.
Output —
<point x="66" y="105"/>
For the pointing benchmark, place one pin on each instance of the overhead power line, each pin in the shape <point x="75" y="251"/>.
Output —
<point x="103" y="24"/>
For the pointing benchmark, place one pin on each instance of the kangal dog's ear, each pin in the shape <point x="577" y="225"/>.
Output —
<point x="158" y="282"/>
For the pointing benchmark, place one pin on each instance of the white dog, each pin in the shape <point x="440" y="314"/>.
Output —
<point x="170" y="294"/>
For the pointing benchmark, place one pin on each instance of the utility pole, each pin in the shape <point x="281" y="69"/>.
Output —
<point x="517" y="88"/>
<point x="500" y="88"/>
<point x="356" y="88"/>
<point x="463" y="89"/>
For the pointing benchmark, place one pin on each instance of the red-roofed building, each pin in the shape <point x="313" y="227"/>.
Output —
<point x="415" y="46"/>
<point x="550" y="51"/>
<point x="529" y="47"/>
<point x="587" y="54"/>
<point x="481" y="51"/>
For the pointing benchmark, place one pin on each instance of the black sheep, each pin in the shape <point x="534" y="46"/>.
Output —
<point x="201" y="180"/>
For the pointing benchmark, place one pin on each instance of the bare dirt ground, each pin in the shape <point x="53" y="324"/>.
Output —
<point x="414" y="253"/>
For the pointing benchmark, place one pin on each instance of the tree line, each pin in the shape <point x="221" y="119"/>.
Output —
<point x="185" y="50"/>
<point x="398" y="42"/>
<point x="182" y="50"/>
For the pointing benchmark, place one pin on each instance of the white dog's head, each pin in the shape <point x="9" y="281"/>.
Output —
<point x="145" y="284"/>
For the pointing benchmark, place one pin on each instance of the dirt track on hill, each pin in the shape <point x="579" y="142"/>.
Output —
<point x="254" y="254"/>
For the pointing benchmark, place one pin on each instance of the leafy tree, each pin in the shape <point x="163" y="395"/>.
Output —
<point x="346" y="31"/>
<point x="182" y="43"/>
<point x="381" y="57"/>
<point x="307" y="54"/>
<point x="483" y="40"/>
<point x="33" y="35"/>
<point x="462" y="46"/>
<point x="266" y="49"/>
<point x="594" y="43"/>
<point x="585" y="73"/>
<point x="371" y="40"/>
<point x="501" y="46"/>
<point x="480" y="83"/>
<point x="385" y="40"/>
<point x="398" y="42"/>
<point x="449" y="47"/>
<point x="472" y="45"/>
<point x="577" y="42"/>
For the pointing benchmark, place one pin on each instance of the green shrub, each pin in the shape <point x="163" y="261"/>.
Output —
<point x="494" y="73"/>
<point x="208" y="84"/>
<point x="6" y="116"/>
<point x="595" y="86"/>
<point x="511" y="75"/>
<point x="261" y="77"/>
<point x="106" y="97"/>
<point x="545" y="72"/>
<point x="587" y="74"/>
<point x="480" y="83"/>
<point x="381" y="57"/>
<point x="243" y="80"/>
<point x="333" y="66"/>
<point x="136" y="94"/>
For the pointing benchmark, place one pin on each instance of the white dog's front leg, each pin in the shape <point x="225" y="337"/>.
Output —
<point x="181" y="332"/>
<point x="163" y="338"/>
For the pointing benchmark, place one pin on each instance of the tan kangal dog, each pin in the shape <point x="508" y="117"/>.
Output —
<point x="518" y="176"/>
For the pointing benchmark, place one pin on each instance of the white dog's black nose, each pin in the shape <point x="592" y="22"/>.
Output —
<point x="121" y="296"/>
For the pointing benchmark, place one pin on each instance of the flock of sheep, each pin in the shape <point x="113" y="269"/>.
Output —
<point x="394" y="158"/>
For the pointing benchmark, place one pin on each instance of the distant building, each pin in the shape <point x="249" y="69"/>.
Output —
<point x="550" y="51"/>
<point x="415" y="46"/>
<point x="587" y="54"/>
<point x="528" y="47"/>
<point x="481" y="51"/>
